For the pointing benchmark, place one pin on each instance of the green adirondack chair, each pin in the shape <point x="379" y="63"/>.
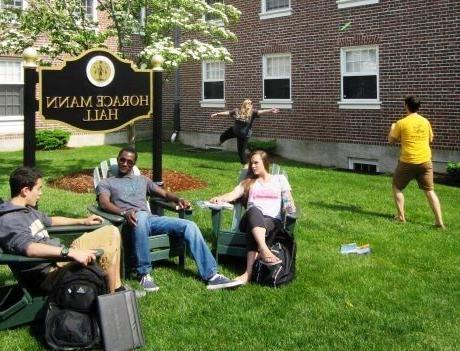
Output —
<point x="162" y="246"/>
<point x="231" y="241"/>
<point x="21" y="302"/>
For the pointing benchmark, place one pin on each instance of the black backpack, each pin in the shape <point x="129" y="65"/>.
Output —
<point x="70" y="321"/>
<point x="284" y="247"/>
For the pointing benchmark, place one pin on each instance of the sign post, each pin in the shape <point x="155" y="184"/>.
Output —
<point x="30" y="105"/>
<point x="157" y="148"/>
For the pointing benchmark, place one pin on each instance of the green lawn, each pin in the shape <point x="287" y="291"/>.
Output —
<point x="403" y="296"/>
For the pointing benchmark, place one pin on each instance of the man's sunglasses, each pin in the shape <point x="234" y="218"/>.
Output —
<point x="123" y="160"/>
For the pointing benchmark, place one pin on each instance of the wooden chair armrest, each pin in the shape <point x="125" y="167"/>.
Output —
<point x="170" y="206"/>
<point x="74" y="229"/>
<point x="112" y="218"/>
<point x="12" y="259"/>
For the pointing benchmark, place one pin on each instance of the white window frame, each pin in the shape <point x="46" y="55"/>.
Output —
<point x="93" y="13"/>
<point x="264" y="14"/>
<point x="276" y="103"/>
<point x="211" y="102"/>
<point x="344" y="4"/>
<point x="363" y="104"/>
<point x="11" y="124"/>
<point x="217" y="22"/>
<point x="23" y="5"/>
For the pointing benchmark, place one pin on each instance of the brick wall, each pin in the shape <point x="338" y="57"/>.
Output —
<point x="418" y="53"/>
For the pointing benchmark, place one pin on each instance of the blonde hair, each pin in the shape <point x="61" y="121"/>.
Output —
<point x="246" y="109"/>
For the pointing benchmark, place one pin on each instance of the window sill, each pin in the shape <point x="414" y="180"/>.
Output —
<point x="275" y="14"/>
<point x="212" y="103"/>
<point x="359" y="105"/>
<point x="344" y="4"/>
<point x="283" y="104"/>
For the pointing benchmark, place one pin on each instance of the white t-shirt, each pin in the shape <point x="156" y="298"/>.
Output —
<point x="267" y="196"/>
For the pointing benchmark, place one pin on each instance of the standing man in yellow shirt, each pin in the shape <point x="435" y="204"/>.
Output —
<point x="415" y="135"/>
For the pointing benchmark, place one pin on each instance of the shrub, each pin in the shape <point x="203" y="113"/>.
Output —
<point x="453" y="169"/>
<point x="269" y="146"/>
<point x="51" y="139"/>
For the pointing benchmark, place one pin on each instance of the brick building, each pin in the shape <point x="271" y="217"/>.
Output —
<point x="338" y="70"/>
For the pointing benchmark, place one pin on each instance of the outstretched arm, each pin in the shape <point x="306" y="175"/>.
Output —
<point x="90" y="220"/>
<point x="266" y="112"/>
<point x="218" y="114"/>
<point x="231" y="196"/>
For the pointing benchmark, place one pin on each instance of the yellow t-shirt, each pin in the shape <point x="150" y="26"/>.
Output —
<point x="415" y="134"/>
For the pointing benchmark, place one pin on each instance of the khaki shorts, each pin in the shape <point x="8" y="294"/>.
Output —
<point x="106" y="238"/>
<point x="422" y="172"/>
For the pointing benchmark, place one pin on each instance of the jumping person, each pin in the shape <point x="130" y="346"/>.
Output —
<point x="264" y="194"/>
<point x="415" y="134"/>
<point x="241" y="129"/>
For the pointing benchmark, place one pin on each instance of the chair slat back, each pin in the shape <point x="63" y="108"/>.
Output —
<point x="238" y="208"/>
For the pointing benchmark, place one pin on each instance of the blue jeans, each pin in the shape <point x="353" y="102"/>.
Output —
<point x="149" y="225"/>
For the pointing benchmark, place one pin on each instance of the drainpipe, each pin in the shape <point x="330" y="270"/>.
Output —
<point x="176" y="125"/>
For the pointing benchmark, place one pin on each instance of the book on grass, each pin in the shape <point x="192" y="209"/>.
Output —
<point x="352" y="248"/>
<point x="217" y="206"/>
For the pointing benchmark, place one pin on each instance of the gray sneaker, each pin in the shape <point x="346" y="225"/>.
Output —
<point x="219" y="281"/>
<point x="146" y="281"/>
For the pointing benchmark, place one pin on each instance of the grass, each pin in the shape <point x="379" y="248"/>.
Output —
<point x="403" y="296"/>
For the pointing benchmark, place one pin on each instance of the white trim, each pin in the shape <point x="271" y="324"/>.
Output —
<point x="274" y="103"/>
<point x="344" y="4"/>
<point x="353" y="160"/>
<point x="212" y="103"/>
<point x="11" y="124"/>
<point x="360" y="105"/>
<point x="275" y="14"/>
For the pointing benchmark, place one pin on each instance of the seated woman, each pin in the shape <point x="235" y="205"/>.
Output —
<point x="264" y="194"/>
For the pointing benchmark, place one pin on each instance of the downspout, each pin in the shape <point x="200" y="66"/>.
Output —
<point x="176" y="125"/>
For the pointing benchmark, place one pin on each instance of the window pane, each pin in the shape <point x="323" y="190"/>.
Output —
<point x="361" y="61"/>
<point x="11" y="3"/>
<point x="215" y="71"/>
<point x="364" y="87"/>
<point x="10" y="72"/>
<point x="278" y="67"/>
<point x="213" y="90"/>
<point x="271" y="5"/>
<point x="277" y="89"/>
<point x="211" y="17"/>
<point x="10" y="100"/>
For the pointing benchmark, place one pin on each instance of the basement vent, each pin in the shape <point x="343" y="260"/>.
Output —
<point x="363" y="165"/>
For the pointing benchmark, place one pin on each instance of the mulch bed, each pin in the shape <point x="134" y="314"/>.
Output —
<point x="82" y="182"/>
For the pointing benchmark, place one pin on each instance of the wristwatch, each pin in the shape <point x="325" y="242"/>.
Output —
<point x="123" y="213"/>
<point x="65" y="252"/>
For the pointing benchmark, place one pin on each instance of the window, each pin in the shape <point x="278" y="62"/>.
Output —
<point x="277" y="80"/>
<point x="363" y="165"/>
<point x="343" y="4"/>
<point x="213" y="84"/>
<point x="360" y="78"/>
<point x="11" y="96"/>
<point x="17" y="4"/>
<point x="275" y="8"/>
<point x="211" y="17"/>
<point x="90" y="9"/>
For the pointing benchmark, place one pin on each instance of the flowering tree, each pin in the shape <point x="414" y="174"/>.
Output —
<point x="68" y="28"/>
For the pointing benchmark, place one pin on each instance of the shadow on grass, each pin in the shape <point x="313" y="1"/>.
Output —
<point x="349" y="208"/>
